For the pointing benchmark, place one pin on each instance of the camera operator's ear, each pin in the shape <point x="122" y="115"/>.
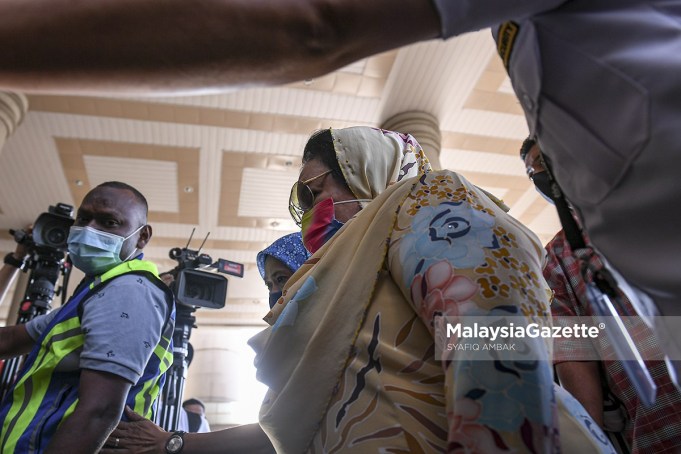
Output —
<point x="145" y="236"/>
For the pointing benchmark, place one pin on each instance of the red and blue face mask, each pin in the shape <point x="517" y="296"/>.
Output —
<point x="319" y="224"/>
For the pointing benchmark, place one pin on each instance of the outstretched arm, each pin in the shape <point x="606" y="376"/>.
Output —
<point x="175" y="46"/>
<point x="142" y="435"/>
<point x="8" y="272"/>
<point x="9" y="268"/>
<point x="15" y="341"/>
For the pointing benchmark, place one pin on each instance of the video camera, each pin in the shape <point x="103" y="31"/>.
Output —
<point x="47" y="246"/>
<point x="195" y="286"/>
<point x="50" y="231"/>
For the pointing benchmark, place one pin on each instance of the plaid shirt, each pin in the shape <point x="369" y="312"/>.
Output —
<point x="648" y="430"/>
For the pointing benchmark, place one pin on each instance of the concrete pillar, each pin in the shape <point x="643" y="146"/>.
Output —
<point x="13" y="107"/>
<point x="424" y="127"/>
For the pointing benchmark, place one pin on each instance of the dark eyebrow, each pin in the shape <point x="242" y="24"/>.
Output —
<point x="82" y="211"/>
<point x="106" y="212"/>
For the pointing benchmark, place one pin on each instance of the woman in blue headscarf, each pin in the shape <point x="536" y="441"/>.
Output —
<point x="278" y="261"/>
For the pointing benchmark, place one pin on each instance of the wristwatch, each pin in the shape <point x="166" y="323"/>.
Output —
<point x="13" y="261"/>
<point x="175" y="443"/>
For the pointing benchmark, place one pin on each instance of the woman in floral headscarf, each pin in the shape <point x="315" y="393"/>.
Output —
<point x="350" y="355"/>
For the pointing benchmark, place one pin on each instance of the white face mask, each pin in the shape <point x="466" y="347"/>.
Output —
<point x="95" y="252"/>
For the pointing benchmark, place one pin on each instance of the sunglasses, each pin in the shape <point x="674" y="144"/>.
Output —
<point x="302" y="198"/>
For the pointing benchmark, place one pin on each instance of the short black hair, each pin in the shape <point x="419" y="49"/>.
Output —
<point x="138" y="195"/>
<point x="320" y="147"/>
<point x="193" y="401"/>
<point x="525" y="147"/>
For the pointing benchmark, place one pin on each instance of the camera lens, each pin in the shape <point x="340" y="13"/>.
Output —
<point x="51" y="231"/>
<point x="198" y="291"/>
<point x="56" y="236"/>
<point x="201" y="289"/>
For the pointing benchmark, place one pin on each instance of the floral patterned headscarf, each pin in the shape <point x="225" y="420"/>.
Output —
<point x="372" y="159"/>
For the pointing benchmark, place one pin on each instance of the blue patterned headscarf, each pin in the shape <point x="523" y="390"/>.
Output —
<point x="288" y="249"/>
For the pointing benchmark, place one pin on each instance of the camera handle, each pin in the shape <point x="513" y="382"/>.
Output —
<point x="170" y="402"/>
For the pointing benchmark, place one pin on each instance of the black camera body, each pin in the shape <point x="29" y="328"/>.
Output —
<point x="51" y="229"/>
<point x="193" y="287"/>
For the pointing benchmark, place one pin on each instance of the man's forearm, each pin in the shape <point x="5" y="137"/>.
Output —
<point x="7" y="273"/>
<point x="101" y="398"/>
<point x="14" y="341"/>
<point x="82" y="433"/>
<point x="172" y="46"/>
<point x="237" y="440"/>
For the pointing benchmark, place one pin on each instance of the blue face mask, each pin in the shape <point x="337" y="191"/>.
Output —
<point x="274" y="297"/>
<point x="95" y="252"/>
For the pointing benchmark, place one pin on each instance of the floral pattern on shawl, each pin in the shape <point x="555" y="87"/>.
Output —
<point x="392" y="394"/>
<point x="449" y="223"/>
<point x="459" y="257"/>
<point x="452" y="231"/>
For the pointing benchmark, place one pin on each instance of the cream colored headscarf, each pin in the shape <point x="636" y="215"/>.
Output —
<point x="372" y="159"/>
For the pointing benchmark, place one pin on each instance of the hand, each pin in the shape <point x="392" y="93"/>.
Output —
<point x="22" y="249"/>
<point x="138" y="435"/>
<point x="168" y="278"/>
